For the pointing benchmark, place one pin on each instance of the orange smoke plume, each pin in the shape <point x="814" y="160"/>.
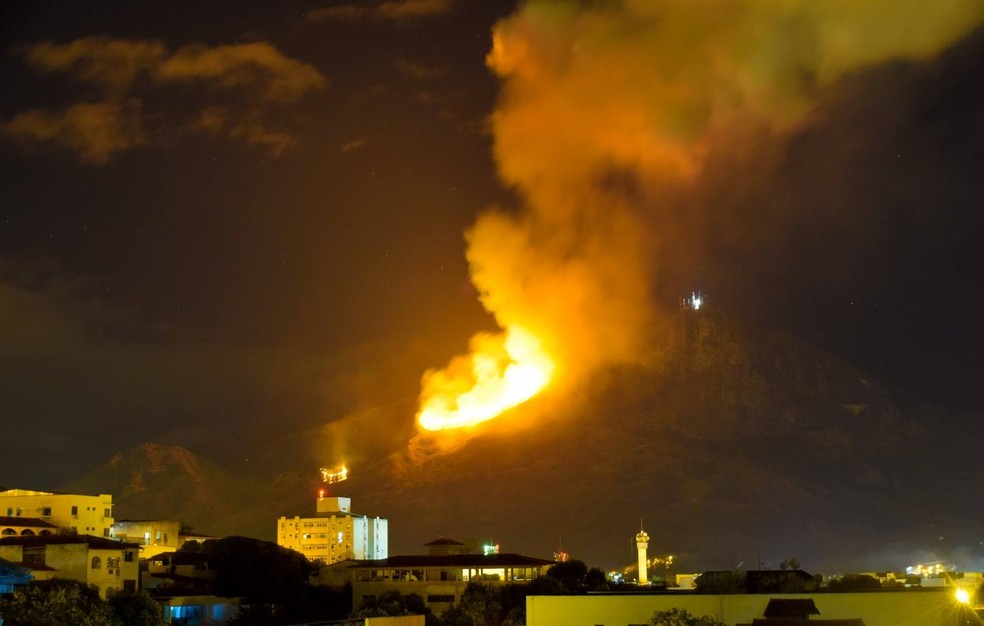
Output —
<point x="605" y="108"/>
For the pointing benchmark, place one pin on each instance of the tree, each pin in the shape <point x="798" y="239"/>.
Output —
<point x="259" y="571"/>
<point x="136" y="608"/>
<point x="544" y="586"/>
<point x="855" y="581"/>
<point x="681" y="617"/>
<point x="570" y="574"/>
<point x="56" y="603"/>
<point x="482" y="604"/>
<point x="595" y="580"/>
<point x="393" y="604"/>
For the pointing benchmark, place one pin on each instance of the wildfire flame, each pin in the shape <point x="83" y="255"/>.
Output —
<point x="501" y="372"/>
<point x="334" y="475"/>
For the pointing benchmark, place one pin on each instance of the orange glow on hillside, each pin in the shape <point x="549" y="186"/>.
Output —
<point x="501" y="372"/>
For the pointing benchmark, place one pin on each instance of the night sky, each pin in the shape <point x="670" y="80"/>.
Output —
<point x="224" y="221"/>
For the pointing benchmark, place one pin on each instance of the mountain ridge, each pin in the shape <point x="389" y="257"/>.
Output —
<point x="731" y="442"/>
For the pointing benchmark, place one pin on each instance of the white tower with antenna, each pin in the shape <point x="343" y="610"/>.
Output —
<point x="642" y="542"/>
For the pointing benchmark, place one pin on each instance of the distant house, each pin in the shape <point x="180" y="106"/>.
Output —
<point x="440" y="579"/>
<point x="153" y="536"/>
<point x="198" y="610"/>
<point x="182" y="582"/>
<point x="12" y="576"/>
<point x="188" y="572"/>
<point x="755" y="581"/>
<point x="107" y="564"/>
<point x="86" y="515"/>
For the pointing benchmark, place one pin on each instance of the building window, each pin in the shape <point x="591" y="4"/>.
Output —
<point x="75" y="511"/>
<point x="10" y="511"/>
<point x="20" y="511"/>
<point x="107" y="513"/>
<point x="128" y="556"/>
<point x="46" y="511"/>
<point x="96" y="562"/>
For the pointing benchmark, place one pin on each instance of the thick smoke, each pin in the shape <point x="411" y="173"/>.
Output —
<point x="609" y="109"/>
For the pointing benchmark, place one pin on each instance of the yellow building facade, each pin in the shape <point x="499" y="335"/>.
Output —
<point x="875" y="608"/>
<point x="153" y="536"/>
<point x="83" y="514"/>
<point x="109" y="565"/>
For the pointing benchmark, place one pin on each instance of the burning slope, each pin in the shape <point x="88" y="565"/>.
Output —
<point x="501" y="372"/>
<point x="608" y="114"/>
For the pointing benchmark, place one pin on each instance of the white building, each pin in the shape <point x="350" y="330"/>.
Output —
<point x="86" y="515"/>
<point x="335" y="533"/>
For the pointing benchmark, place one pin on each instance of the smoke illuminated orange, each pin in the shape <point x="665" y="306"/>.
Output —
<point x="502" y="372"/>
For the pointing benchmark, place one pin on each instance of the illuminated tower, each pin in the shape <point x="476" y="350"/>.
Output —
<point x="642" y="542"/>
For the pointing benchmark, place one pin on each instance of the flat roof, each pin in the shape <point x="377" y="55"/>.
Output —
<point x="452" y="560"/>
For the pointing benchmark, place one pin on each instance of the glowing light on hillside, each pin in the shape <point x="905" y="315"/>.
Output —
<point x="334" y="475"/>
<point x="490" y="548"/>
<point x="502" y="372"/>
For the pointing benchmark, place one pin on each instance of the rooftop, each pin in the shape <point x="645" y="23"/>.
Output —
<point x="37" y="541"/>
<point x="452" y="560"/>
<point x="443" y="541"/>
<point x="32" y="522"/>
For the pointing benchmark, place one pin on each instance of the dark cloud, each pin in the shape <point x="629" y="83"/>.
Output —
<point x="131" y="111"/>
<point x="96" y="131"/>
